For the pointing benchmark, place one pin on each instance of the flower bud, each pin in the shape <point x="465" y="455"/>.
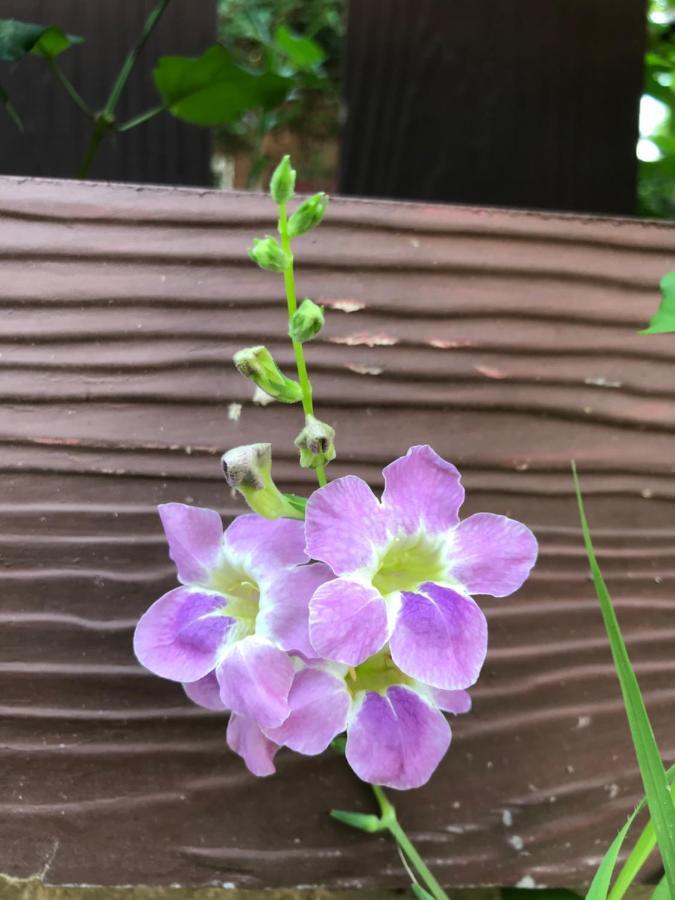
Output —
<point x="315" y="443"/>
<point x="269" y="255"/>
<point x="308" y="215"/>
<point x="282" y="184"/>
<point x="257" y="364"/>
<point x="306" y="322"/>
<point x="248" y="469"/>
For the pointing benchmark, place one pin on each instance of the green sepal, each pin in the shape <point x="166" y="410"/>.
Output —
<point x="258" y="364"/>
<point x="362" y="821"/>
<point x="269" y="255"/>
<point x="308" y="215"/>
<point x="298" y="503"/>
<point x="306" y="322"/>
<point x="282" y="183"/>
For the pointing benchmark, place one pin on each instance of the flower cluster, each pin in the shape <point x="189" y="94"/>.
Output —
<point x="359" y="619"/>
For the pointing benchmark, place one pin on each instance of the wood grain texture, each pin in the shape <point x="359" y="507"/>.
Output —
<point x="507" y="340"/>
<point x="163" y="151"/>
<point x="508" y="103"/>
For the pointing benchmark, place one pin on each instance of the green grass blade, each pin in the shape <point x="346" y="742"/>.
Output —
<point x="599" y="888"/>
<point x="646" y="750"/>
<point x="661" y="890"/>
<point x="640" y="852"/>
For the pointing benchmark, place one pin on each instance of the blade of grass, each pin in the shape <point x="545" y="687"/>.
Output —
<point x="646" y="750"/>
<point x="661" y="890"/>
<point x="640" y="852"/>
<point x="599" y="888"/>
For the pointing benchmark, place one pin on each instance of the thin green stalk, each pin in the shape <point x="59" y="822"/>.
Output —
<point x="142" y="117"/>
<point x="68" y="86"/>
<point x="292" y="303"/>
<point x="130" y="61"/>
<point x="653" y="773"/>
<point x="389" y="819"/>
<point x="105" y="120"/>
<point x="97" y="135"/>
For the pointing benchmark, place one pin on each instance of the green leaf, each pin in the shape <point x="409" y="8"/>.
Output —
<point x="653" y="774"/>
<point x="213" y="89"/>
<point x="303" y="52"/>
<point x="640" y="853"/>
<point x="420" y="893"/>
<point x="661" y="890"/>
<point x="297" y="502"/>
<point x="54" y="41"/>
<point x="17" y="39"/>
<point x="11" y="109"/>
<point x="663" y="321"/>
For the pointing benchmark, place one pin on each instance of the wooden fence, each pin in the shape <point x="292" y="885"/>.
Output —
<point x="506" y="339"/>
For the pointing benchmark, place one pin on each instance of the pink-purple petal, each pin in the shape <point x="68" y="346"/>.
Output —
<point x="396" y="739"/>
<point x="205" y="692"/>
<point x="247" y="740"/>
<point x="492" y="554"/>
<point x="345" y="525"/>
<point x="439" y="638"/>
<point x="422" y="490"/>
<point x="319" y="704"/>
<point x="347" y="621"/>
<point x="266" y="545"/>
<point x="182" y="635"/>
<point x="284" y="607"/>
<point x="195" y="537"/>
<point x="456" y="702"/>
<point x="255" y="678"/>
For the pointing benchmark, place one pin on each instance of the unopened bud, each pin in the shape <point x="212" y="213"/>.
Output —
<point x="269" y="255"/>
<point x="248" y="469"/>
<point x="308" y="215"/>
<point x="306" y="322"/>
<point x="316" y="443"/>
<point x="282" y="184"/>
<point x="257" y="364"/>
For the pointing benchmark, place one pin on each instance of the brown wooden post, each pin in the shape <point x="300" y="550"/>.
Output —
<point x="506" y="102"/>
<point x="163" y="151"/>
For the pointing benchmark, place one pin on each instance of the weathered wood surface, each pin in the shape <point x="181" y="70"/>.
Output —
<point x="163" y="151"/>
<point x="507" y="340"/>
<point x="510" y="103"/>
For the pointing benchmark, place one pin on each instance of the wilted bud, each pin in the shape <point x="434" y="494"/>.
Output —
<point x="248" y="469"/>
<point x="257" y="364"/>
<point x="282" y="184"/>
<point x="268" y="254"/>
<point x="306" y="322"/>
<point x="316" y="443"/>
<point x="308" y="215"/>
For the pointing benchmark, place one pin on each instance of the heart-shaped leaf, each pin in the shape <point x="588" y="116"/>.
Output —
<point x="663" y="321"/>
<point x="213" y="89"/>
<point x="17" y="39"/>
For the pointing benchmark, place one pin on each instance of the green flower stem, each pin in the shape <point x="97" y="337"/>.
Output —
<point x="68" y="86"/>
<point x="291" y="300"/>
<point x="389" y="820"/>
<point x="142" y="117"/>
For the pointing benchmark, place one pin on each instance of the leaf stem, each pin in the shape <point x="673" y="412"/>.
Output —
<point x="104" y="121"/>
<point x="68" y="86"/>
<point x="142" y="117"/>
<point x="292" y="303"/>
<point x="389" y="820"/>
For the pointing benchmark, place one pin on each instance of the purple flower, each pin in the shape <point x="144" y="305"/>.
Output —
<point x="406" y="568"/>
<point x="241" y="610"/>
<point x="396" y="731"/>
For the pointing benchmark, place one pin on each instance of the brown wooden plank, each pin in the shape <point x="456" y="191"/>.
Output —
<point x="511" y="103"/>
<point x="163" y="151"/>
<point x="507" y="340"/>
